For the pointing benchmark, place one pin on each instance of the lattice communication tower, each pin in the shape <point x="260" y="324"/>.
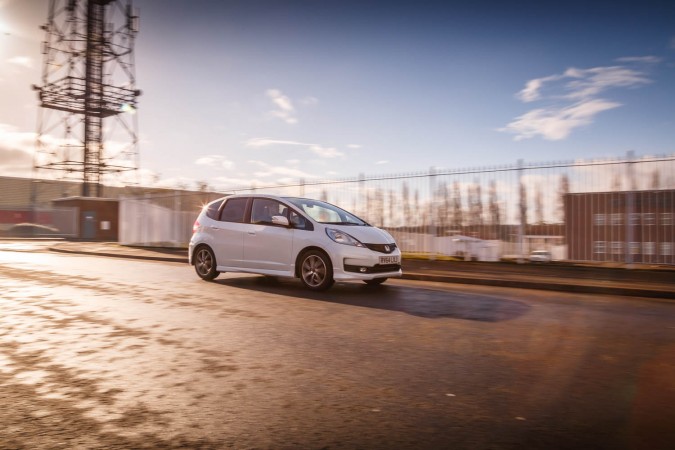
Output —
<point x="87" y="126"/>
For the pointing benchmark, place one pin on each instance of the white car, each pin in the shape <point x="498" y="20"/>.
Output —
<point x="290" y="237"/>
<point x="542" y="256"/>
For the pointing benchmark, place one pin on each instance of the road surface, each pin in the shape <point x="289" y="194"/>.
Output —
<point x="112" y="353"/>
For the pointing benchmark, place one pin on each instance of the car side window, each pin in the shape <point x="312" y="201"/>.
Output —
<point x="263" y="209"/>
<point x="212" y="210"/>
<point x="234" y="210"/>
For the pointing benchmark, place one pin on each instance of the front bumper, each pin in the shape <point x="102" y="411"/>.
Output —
<point x="354" y="263"/>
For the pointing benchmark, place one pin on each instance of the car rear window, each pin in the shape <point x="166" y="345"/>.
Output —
<point x="212" y="210"/>
<point x="234" y="210"/>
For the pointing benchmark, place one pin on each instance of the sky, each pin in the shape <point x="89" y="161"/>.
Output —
<point x="266" y="92"/>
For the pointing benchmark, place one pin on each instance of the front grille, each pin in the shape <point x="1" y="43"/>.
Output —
<point x="377" y="268"/>
<point x="381" y="247"/>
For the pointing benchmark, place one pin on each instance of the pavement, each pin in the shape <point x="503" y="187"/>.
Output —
<point x="643" y="281"/>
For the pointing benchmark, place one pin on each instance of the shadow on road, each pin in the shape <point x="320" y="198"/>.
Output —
<point x="419" y="302"/>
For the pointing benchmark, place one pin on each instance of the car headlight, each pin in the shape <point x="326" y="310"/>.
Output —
<point x="343" y="238"/>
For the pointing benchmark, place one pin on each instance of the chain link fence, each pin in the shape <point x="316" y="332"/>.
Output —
<point x="508" y="212"/>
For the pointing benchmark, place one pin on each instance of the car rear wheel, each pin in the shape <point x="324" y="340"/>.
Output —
<point x="375" y="281"/>
<point x="316" y="270"/>
<point x="205" y="264"/>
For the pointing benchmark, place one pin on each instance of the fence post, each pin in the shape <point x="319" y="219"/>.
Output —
<point x="523" y="217"/>
<point x="145" y="224"/>
<point x="363" y="213"/>
<point x="630" y="156"/>
<point x="432" y="221"/>
<point x="177" y="218"/>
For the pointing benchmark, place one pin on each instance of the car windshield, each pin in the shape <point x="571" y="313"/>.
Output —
<point x="323" y="212"/>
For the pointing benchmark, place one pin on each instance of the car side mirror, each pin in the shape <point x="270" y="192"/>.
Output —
<point x="280" y="220"/>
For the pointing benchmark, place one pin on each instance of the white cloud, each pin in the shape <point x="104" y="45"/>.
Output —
<point x="585" y="83"/>
<point x="531" y="90"/>
<point x="16" y="151"/>
<point x="573" y="97"/>
<point x="384" y="161"/>
<point x="354" y="146"/>
<point x="214" y="161"/>
<point x="640" y="59"/>
<point x="264" y="142"/>
<point x="270" y="170"/>
<point x="591" y="82"/>
<point x="556" y="124"/>
<point x="23" y="61"/>
<point x="324" y="152"/>
<point x="285" y="110"/>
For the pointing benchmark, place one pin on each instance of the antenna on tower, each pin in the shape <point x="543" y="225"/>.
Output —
<point x="87" y="127"/>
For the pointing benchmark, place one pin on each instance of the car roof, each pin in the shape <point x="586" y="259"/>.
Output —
<point x="277" y="197"/>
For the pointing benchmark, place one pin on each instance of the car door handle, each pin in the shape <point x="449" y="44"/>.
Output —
<point x="251" y="233"/>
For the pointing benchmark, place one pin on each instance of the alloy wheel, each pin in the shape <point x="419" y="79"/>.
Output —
<point x="314" y="271"/>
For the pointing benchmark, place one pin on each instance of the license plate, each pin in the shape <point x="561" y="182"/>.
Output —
<point x="389" y="260"/>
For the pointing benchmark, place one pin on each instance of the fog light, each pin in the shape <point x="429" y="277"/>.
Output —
<point x="363" y="270"/>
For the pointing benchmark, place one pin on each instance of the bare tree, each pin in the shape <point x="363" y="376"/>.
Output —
<point x="378" y="207"/>
<point x="475" y="205"/>
<point x="417" y="209"/>
<point x="392" y="208"/>
<point x="539" y="205"/>
<point x="405" y="197"/>
<point x="495" y="214"/>
<point x="457" y="217"/>
<point x="522" y="206"/>
<point x="563" y="190"/>
<point x="442" y="210"/>
<point x="369" y="206"/>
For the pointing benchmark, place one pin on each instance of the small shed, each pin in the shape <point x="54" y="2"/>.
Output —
<point x="98" y="217"/>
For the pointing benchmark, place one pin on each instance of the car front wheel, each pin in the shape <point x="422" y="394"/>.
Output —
<point x="205" y="264"/>
<point x="316" y="270"/>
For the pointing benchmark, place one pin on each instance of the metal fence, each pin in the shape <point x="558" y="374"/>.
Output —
<point x="509" y="211"/>
<point x="611" y="210"/>
<point x="144" y="222"/>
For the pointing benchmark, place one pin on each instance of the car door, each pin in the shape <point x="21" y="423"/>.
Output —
<point x="228" y="233"/>
<point x="268" y="246"/>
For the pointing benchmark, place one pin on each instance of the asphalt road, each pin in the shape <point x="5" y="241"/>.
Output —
<point x="113" y="353"/>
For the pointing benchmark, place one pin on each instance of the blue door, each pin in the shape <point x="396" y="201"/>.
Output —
<point x="89" y="228"/>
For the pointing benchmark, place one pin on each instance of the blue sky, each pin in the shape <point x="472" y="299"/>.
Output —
<point x="236" y="92"/>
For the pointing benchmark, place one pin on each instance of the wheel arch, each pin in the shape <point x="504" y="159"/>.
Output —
<point x="305" y="250"/>
<point x="196" y="249"/>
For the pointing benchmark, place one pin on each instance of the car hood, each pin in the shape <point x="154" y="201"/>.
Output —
<point x="367" y="235"/>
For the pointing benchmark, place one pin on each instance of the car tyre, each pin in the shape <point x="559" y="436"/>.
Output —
<point x="205" y="264"/>
<point x="375" y="281"/>
<point x="316" y="270"/>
